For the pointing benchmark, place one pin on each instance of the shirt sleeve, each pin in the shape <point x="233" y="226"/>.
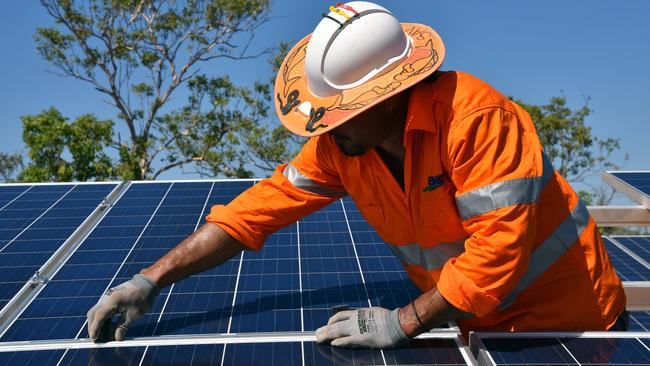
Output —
<point x="496" y="166"/>
<point x="295" y="190"/>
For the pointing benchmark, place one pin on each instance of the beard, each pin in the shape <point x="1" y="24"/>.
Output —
<point x="352" y="150"/>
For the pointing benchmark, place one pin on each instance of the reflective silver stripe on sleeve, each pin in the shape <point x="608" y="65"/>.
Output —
<point x="504" y="194"/>
<point x="429" y="258"/>
<point x="551" y="250"/>
<point x="301" y="181"/>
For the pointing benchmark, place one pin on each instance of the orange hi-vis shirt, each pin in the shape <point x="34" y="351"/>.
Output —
<point x="483" y="215"/>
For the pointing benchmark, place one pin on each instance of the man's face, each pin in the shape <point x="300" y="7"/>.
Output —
<point x="365" y="131"/>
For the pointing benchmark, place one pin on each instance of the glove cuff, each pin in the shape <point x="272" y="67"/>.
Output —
<point x="395" y="329"/>
<point x="145" y="285"/>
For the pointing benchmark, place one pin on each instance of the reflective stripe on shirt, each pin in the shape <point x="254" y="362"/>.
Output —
<point x="541" y="259"/>
<point x="504" y="194"/>
<point x="429" y="258"/>
<point x="301" y="181"/>
<point x="551" y="250"/>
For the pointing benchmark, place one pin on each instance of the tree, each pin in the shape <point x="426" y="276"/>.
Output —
<point x="569" y="143"/>
<point x="49" y="137"/>
<point x="10" y="164"/>
<point x="138" y="53"/>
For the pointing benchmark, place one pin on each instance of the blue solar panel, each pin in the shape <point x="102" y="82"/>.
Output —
<point x="628" y="268"/>
<point x="8" y="193"/>
<point x="36" y="223"/>
<point x="59" y="310"/>
<point x="20" y="213"/>
<point x="640" y="245"/>
<point x="331" y="257"/>
<point x="31" y="358"/>
<point x="640" y="321"/>
<point x="201" y="303"/>
<point x="638" y="180"/>
<point x="421" y="352"/>
<point x="564" y="351"/>
<point x="388" y="284"/>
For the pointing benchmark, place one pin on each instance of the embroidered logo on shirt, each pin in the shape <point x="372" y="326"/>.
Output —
<point x="433" y="182"/>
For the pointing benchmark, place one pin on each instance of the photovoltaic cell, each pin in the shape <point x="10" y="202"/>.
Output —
<point x="639" y="321"/>
<point x="565" y="351"/>
<point x="59" y="311"/>
<point x="387" y="283"/>
<point x="640" y="245"/>
<point x="331" y="257"/>
<point x="201" y="303"/>
<point x="50" y="357"/>
<point x="420" y="352"/>
<point x="628" y="268"/>
<point x="329" y="266"/>
<point x="36" y="223"/>
<point x="638" y="180"/>
<point x="268" y="291"/>
<point x="617" y="351"/>
<point x="8" y="193"/>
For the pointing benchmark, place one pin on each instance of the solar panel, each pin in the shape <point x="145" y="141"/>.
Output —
<point x="627" y="267"/>
<point x="34" y="222"/>
<point x="8" y="193"/>
<point x="599" y="348"/>
<point x="635" y="184"/>
<point x="421" y="352"/>
<point x="332" y="257"/>
<point x="639" y="245"/>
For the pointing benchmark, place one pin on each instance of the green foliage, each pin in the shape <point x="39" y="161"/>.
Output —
<point x="220" y="130"/>
<point x="139" y="52"/>
<point x="568" y="141"/>
<point x="10" y="164"/>
<point x="49" y="137"/>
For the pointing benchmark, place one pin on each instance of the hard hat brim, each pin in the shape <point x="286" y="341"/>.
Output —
<point x="306" y="114"/>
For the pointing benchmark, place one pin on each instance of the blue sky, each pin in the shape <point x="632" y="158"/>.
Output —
<point x="530" y="50"/>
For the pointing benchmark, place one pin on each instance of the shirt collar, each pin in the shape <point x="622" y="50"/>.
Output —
<point x="420" y="110"/>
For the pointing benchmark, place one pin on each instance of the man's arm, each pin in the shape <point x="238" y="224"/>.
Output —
<point x="208" y="247"/>
<point x="431" y="309"/>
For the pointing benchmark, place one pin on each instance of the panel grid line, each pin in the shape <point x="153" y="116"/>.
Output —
<point x="629" y="252"/>
<point x="569" y="352"/>
<point x="15" y="198"/>
<point x="302" y="313"/>
<point x="36" y="219"/>
<point x="81" y="240"/>
<point x="171" y="288"/>
<point x="356" y="255"/>
<point x="124" y="261"/>
<point x="232" y="309"/>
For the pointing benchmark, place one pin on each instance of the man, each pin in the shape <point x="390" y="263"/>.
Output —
<point x="449" y="172"/>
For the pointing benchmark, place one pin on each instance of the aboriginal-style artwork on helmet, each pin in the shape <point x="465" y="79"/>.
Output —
<point x="312" y="106"/>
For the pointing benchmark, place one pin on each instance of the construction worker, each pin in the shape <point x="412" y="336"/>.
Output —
<point x="448" y="171"/>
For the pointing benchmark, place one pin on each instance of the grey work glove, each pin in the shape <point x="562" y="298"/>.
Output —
<point x="131" y="299"/>
<point x="363" y="328"/>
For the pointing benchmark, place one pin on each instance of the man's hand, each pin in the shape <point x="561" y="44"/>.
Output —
<point x="132" y="299"/>
<point x="363" y="328"/>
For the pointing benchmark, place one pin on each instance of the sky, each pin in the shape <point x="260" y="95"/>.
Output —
<point x="531" y="50"/>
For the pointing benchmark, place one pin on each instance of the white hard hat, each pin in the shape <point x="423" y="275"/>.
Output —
<point x="358" y="55"/>
<point x="352" y="44"/>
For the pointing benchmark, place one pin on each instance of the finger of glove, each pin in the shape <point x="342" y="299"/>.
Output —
<point x="120" y="331"/>
<point x="345" y="342"/>
<point x="97" y="316"/>
<point x="125" y="322"/>
<point x="340" y="316"/>
<point x="328" y="333"/>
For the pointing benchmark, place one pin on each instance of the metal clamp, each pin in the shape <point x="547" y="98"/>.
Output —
<point x="37" y="279"/>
